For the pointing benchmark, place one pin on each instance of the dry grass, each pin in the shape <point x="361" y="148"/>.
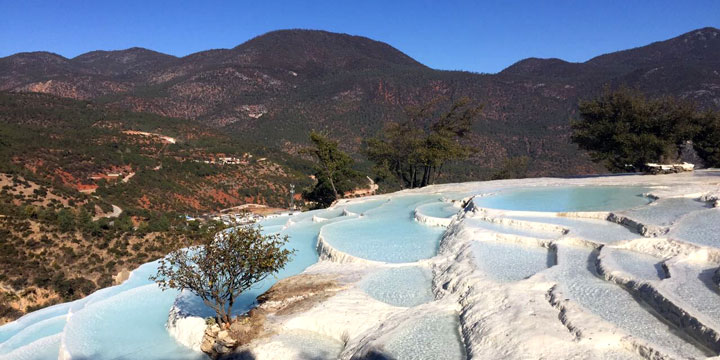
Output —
<point x="298" y="293"/>
<point x="288" y="296"/>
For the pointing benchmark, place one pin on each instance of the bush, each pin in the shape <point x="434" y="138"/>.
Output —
<point x="65" y="220"/>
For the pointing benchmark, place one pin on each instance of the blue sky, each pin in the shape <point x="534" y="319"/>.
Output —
<point x="480" y="36"/>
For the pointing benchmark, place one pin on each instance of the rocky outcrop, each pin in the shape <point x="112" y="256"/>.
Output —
<point x="287" y="297"/>
<point x="217" y="342"/>
<point x="329" y="253"/>
<point x="432" y="220"/>
<point x="646" y="230"/>
<point x="121" y="276"/>
<point x="185" y="328"/>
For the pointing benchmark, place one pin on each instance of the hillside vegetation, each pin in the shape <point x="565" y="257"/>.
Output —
<point x="80" y="145"/>
<point x="58" y="245"/>
<point x="88" y="191"/>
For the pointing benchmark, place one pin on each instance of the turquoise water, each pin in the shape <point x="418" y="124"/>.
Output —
<point x="303" y="239"/>
<point x="360" y="207"/>
<point x="387" y="233"/>
<point x="42" y="349"/>
<point x="438" y="209"/>
<point x="34" y="332"/>
<point x="138" y="309"/>
<point x="139" y="315"/>
<point x="508" y="262"/>
<point x="9" y="330"/>
<point x="406" y="286"/>
<point x="565" y="199"/>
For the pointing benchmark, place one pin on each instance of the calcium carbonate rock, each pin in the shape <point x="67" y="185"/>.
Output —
<point x="187" y="330"/>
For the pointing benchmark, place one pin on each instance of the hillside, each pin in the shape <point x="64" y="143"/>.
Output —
<point x="58" y="245"/>
<point x="88" y="191"/>
<point x="277" y="86"/>
<point x="138" y="160"/>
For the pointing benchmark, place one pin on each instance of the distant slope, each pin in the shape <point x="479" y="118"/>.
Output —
<point x="77" y="145"/>
<point x="276" y="87"/>
<point x="686" y="66"/>
<point x="129" y="63"/>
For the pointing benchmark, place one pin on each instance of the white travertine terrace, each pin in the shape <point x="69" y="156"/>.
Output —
<point x="546" y="315"/>
<point x="634" y="283"/>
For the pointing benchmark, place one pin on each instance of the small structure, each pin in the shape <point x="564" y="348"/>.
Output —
<point x="86" y="189"/>
<point x="370" y="190"/>
<point x="162" y="138"/>
<point x="654" y="168"/>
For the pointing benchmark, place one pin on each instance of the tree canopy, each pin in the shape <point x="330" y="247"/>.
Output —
<point x="706" y="141"/>
<point x="333" y="170"/>
<point x="624" y="130"/>
<point x="414" y="151"/>
<point x="513" y="168"/>
<point x="224" y="266"/>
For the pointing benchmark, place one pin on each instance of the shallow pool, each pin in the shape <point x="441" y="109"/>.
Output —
<point x="388" y="233"/>
<point x="639" y="266"/>
<point x="700" y="227"/>
<point x="507" y="262"/>
<point x="576" y="277"/>
<point x="566" y="199"/>
<point x="434" y="336"/>
<point x="438" y="209"/>
<point x="665" y="212"/>
<point x="512" y="229"/>
<point x="600" y="231"/>
<point x="404" y="286"/>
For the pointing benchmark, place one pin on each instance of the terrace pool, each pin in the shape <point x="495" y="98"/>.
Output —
<point x="387" y="233"/>
<point x="411" y="341"/>
<point x="438" y="209"/>
<point x="567" y="199"/>
<point x="405" y="286"/>
<point x="507" y="262"/>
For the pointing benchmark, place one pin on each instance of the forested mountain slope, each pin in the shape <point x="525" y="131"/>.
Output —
<point x="277" y="86"/>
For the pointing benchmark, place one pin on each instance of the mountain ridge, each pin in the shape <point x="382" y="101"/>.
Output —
<point x="714" y="35"/>
<point x="277" y="86"/>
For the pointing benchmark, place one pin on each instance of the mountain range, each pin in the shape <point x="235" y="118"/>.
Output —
<point x="276" y="87"/>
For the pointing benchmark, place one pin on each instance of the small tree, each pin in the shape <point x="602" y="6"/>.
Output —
<point x="333" y="171"/>
<point x="414" y="151"/>
<point x="224" y="266"/>
<point x="66" y="220"/>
